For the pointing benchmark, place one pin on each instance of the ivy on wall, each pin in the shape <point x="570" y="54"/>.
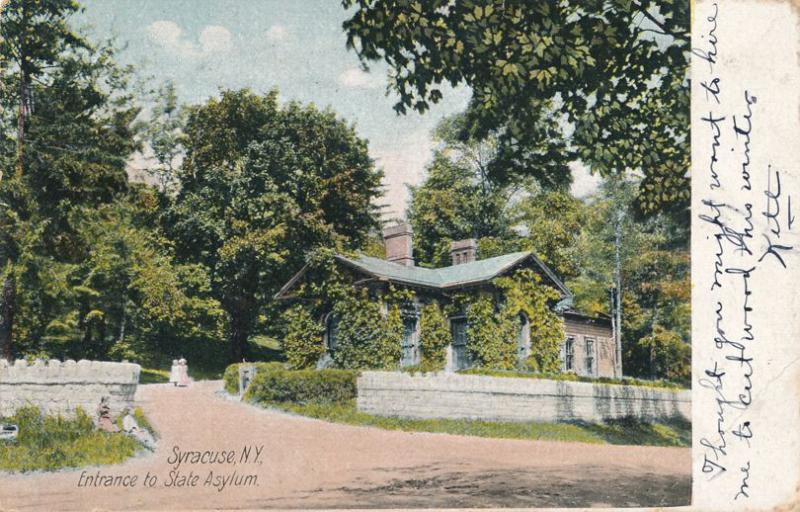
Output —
<point x="303" y="342"/>
<point x="494" y="323"/>
<point x="367" y="338"/>
<point x="525" y="293"/>
<point x="492" y="333"/>
<point x="370" y="329"/>
<point x="369" y="335"/>
<point x="435" y="336"/>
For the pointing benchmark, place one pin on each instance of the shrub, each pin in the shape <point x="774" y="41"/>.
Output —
<point x="303" y="341"/>
<point x="435" y="336"/>
<point x="669" y="355"/>
<point x="276" y="384"/>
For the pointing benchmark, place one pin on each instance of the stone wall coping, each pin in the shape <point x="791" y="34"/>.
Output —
<point x="452" y="382"/>
<point x="55" y="372"/>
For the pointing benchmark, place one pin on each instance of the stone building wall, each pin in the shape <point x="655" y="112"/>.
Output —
<point x="60" y="387"/>
<point x="480" y="397"/>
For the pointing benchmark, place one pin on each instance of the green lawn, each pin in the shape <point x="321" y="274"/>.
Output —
<point x="53" y="442"/>
<point x="153" y="376"/>
<point x="675" y="433"/>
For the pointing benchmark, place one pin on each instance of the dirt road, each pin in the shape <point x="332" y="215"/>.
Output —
<point x="267" y="459"/>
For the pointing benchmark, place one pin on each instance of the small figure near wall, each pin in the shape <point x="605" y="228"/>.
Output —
<point x="104" y="421"/>
<point x="174" y="373"/>
<point x="183" y="373"/>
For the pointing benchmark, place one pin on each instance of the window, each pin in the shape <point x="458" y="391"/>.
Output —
<point x="458" y="328"/>
<point x="589" y="356"/>
<point x="569" y="354"/>
<point x="331" y="332"/>
<point x="410" y="353"/>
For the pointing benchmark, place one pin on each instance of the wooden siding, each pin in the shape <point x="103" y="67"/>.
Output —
<point x="581" y="330"/>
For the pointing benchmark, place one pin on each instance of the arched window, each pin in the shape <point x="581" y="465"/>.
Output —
<point x="524" y="338"/>
<point x="331" y="332"/>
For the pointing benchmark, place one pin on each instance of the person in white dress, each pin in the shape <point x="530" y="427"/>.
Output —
<point x="174" y="373"/>
<point x="183" y="373"/>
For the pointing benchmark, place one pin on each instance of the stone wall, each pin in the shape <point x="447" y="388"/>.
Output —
<point x="60" y="387"/>
<point x="480" y="397"/>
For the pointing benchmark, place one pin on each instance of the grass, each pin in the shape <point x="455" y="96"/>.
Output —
<point x="153" y="376"/>
<point x="626" y="432"/>
<point x="54" y="442"/>
<point x="212" y="364"/>
<point x="625" y="381"/>
<point x="143" y="422"/>
<point x="266" y="342"/>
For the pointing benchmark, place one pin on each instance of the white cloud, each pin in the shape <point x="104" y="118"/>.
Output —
<point x="357" y="78"/>
<point x="169" y="35"/>
<point x="213" y="39"/>
<point x="277" y="33"/>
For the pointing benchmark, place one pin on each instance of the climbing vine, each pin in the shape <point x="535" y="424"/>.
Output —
<point x="491" y="333"/>
<point x="368" y="337"/>
<point x="524" y="293"/>
<point x="303" y="342"/>
<point x="493" y="323"/>
<point x="434" y="336"/>
<point x="370" y="331"/>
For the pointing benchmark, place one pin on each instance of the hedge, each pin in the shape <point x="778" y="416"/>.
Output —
<point x="231" y="376"/>
<point x="274" y="383"/>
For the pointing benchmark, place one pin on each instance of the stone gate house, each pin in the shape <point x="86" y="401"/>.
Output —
<point x="588" y="348"/>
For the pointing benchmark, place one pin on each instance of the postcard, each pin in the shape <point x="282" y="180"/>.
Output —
<point x="399" y="254"/>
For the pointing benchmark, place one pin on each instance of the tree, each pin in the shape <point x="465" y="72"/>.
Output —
<point x="458" y="198"/>
<point x="260" y="186"/>
<point x="642" y="264"/>
<point x="553" y="221"/>
<point x="72" y="136"/>
<point x="602" y="81"/>
<point x="163" y="134"/>
<point x="31" y="37"/>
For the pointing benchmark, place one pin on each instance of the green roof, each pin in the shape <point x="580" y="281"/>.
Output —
<point x="455" y="276"/>
<point x="445" y="278"/>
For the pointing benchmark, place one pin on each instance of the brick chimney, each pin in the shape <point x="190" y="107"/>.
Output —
<point x="463" y="251"/>
<point x="397" y="240"/>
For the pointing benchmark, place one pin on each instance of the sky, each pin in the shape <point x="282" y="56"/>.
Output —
<point x="203" y="46"/>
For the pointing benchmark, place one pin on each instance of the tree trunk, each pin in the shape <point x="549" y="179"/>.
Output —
<point x="22" y="118"/>
<point x="8" y="309"/>
<point x="618" y="290"/>
<point x="23" y="109"/>
<point x="614" y="327"/>
<point x="240" y="332"/>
